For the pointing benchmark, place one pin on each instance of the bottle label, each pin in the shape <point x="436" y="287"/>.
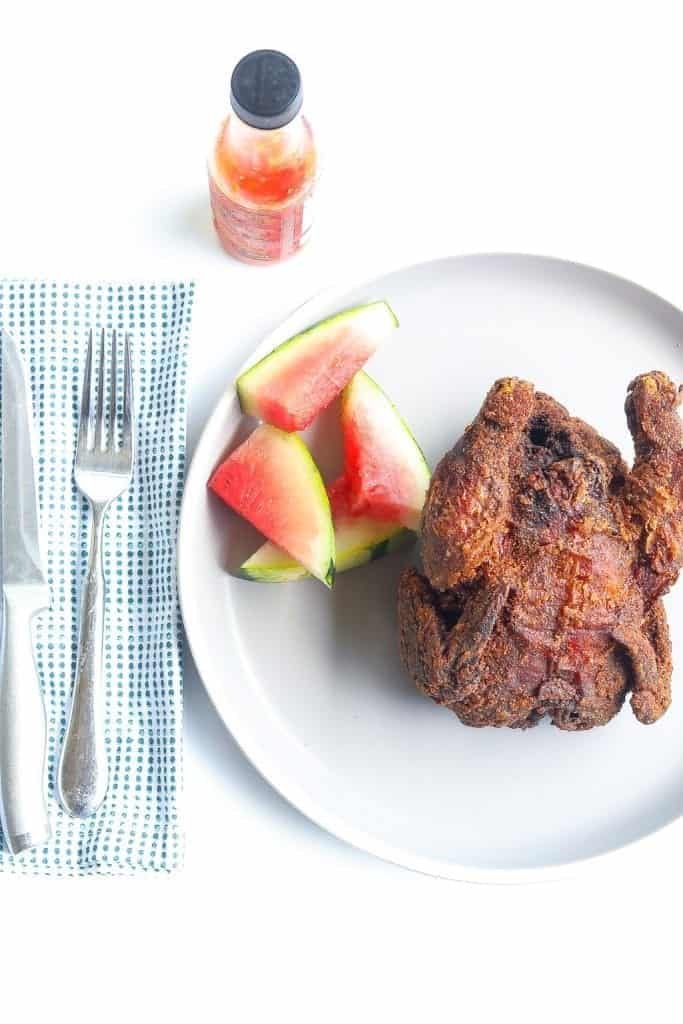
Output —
<point x="260" y="235"/>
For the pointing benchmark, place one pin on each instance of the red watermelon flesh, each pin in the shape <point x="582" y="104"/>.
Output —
<point x="293" y="384"/>
<point x="272" y="480"/>
<point x="340" y="498"/>
<point x="386" y="471"/>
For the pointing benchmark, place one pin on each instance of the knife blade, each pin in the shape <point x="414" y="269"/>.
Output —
<point x="25" y="594"/>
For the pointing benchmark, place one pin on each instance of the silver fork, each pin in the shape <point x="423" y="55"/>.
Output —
<point x="103" y="470"/>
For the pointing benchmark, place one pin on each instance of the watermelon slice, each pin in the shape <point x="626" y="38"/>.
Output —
<point x="301" y="377"/>
<point x="358" y="539"/>
<point x="387" y="472"/>
<point x="273" y="482"/>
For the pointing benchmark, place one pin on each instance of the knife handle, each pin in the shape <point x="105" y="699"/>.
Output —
<point x="23" y="733"/>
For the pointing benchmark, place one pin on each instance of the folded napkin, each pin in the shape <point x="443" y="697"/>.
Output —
<point x="137" y="827"/>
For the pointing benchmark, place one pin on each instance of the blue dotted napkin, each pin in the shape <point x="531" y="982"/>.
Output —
<point x="137" y="827"/>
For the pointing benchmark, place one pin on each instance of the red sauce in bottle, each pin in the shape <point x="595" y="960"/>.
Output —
<point x="264" y="164"/>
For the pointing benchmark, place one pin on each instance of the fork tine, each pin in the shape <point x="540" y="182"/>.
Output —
<point x="112" y="394"/>
<point x="100" y="426"/>
<point x="85" y="415"/>
<point x="127" y="434"/>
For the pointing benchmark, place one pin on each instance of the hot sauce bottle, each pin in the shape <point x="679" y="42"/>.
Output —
<point x="264" y="164"/>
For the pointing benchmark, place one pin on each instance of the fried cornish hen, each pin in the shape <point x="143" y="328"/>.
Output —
<point x="544" y="563"/>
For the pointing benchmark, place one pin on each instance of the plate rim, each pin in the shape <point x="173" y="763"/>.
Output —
<point x="290" y="791"/>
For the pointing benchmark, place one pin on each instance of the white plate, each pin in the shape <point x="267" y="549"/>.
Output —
<point x="310" y="683"/>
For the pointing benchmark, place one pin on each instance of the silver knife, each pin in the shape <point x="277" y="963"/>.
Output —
<point x="24" y="595"/>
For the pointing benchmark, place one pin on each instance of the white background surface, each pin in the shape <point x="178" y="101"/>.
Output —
<point x="547" y="127"/>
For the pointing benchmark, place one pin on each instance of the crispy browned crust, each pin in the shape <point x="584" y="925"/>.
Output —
<point x="544" y="560"/>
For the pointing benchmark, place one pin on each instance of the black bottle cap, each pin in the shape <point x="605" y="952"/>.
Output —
<point x="265" y="89"/>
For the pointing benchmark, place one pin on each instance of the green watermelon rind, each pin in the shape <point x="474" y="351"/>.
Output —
<point x="271" y="564"/>
<point x="249" y="382"/>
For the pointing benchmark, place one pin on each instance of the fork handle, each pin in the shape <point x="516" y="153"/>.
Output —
<point x="83" y="770"/>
